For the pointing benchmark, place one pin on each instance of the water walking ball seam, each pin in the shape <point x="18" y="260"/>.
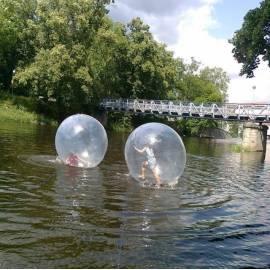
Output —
<point x="81" y="141"/>
<point x="155" y="154"/>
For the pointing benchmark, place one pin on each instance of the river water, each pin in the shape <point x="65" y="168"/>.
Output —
<point x="56" y="216"/>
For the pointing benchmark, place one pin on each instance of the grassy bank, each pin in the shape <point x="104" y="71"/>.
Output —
<point x="119" y="122"/>
<point x="238" y="148"/>
<point x="21" y="110"/>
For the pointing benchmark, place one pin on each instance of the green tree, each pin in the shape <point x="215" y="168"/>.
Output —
<point x="71" y="52"/>
<point x="194" y="127"/>
<point x="108" y="60"/>
<point x="252" y="41"/>
<point x="61" y="33"/>
<point x="198" y="84"/>
<point x="58" y="73"/>
<point x="219" y="78"/>
<point x="14" y="15"/>
<point x="151" y="70"/>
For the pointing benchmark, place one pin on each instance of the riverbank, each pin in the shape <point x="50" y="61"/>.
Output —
<point x="21" y="110"/>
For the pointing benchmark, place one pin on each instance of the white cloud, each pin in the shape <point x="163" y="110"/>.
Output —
<point x="185" y="26"/>
<point x="242" y="89"/>
<point x="162" y="16"/>
<point x="195" y="40"/>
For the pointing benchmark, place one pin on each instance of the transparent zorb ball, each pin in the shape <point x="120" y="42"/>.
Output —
<point x="81" y="141"/>
<point x="155" y="155"/>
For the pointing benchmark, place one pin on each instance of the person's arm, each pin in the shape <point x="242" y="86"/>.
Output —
<point x="139" y="150"/>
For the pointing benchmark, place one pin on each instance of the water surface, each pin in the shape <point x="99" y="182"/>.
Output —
<point x="61" y="217"/>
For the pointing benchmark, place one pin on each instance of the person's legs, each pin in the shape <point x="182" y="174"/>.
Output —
<point x="156" y="175"/>
<point x="144" y="164"/>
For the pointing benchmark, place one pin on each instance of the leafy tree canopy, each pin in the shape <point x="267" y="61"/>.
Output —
<point x="71" y="52"/>
<point x="152" y="69"/>
<point x="252" y="41"/>
<point x="13" y="17"/>
<point x="200" y="84"/>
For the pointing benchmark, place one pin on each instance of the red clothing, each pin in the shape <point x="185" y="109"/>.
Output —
<point x="72" y="160"/>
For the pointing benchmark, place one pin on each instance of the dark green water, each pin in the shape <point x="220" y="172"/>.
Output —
<point x="56" y="216"/>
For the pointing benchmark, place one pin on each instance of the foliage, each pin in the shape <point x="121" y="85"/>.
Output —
<point x="193" y="127"/>
<point x="21" y="110"/>
<point x="108" y="60"/>
<point x="219" y="78"/>
<point x="119" y="122"/>
<point x="239" y="148"/>
<point x="60" y="68"/>
<point x="68" y="55"/>
<point x="13" y="17"/>
<point x="234" y="128"/>
<point x="253" y="39"/>
<point x="151" y="69"/>
<point x="200" y="84"/>
<point x="57" y="73"/>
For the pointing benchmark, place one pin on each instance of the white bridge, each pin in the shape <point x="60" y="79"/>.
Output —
<point x="179" y="109"/>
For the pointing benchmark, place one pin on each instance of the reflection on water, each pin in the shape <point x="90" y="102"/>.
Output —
<point x="55" y="216"/>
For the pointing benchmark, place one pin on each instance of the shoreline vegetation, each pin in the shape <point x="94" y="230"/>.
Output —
<point x="22" y="110"/>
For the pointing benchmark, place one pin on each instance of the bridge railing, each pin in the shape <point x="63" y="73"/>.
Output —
<point x="226" y="111"/>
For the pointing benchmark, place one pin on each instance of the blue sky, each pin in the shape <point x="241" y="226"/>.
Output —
<point x="230" y="14"/>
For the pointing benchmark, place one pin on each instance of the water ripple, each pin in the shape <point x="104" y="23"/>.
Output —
<point x="53" y="216"/>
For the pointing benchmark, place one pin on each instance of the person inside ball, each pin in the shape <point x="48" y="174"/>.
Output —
<point x="151" y="163"/>
<point x="75" y="161"/>
<point x="72" y="160"/>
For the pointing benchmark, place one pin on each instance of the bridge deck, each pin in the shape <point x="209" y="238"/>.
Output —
<point x="178" y="109"/>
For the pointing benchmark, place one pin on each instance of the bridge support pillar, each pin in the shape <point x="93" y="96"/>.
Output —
<point x="254" y="137"/>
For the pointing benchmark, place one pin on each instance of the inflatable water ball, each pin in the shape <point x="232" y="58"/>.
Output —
<point x="81" y="141"/>
<point x="155" y="155"/>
